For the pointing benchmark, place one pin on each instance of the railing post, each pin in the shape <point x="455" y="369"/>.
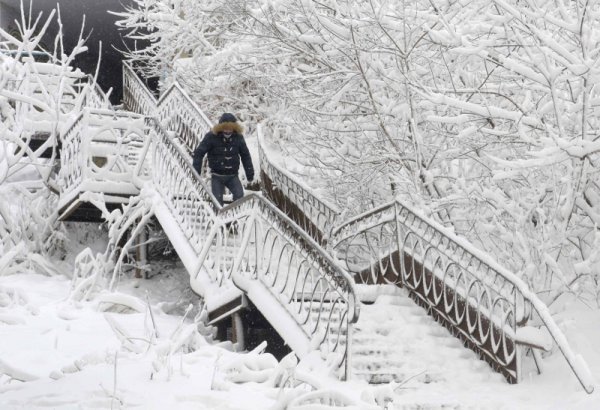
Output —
<point x="141" y="253"/>
<point x="237" y="330"/>
<point x="349" y="335"/>
<point x="399" y="243"/>
<point x="518" y="347"/>
<point x="245" y="240"/>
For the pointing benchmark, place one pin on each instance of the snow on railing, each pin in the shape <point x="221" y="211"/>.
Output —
<point x="296" y="200"/>
<point x="102" y="151"/>
<point x="178" y="112"/>
<point x="481" y="301"/>
<point x="464" y="288"/>
<point x="75" y="88"/>
<point x="175" y="109"/>
<point x="94" y="96"/>
<point x="72" y="156"/>
<point x="253" y="240"/>
<point x="136" y="96"/>
<point x="188" y="198"/>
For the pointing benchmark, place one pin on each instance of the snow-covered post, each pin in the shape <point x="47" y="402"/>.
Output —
<point x="141" y="253"/>
<point x="237" y="328"/>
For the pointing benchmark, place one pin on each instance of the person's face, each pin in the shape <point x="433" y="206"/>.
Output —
<point x="227" y="132"/>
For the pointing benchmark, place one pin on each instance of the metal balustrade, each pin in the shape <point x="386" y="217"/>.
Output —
<point x="76" y="89"/>
<point x="136" y="96"/>
<point x="70" y="174"/>
<point x="102" y="151"/>
<point x="476" y="299"/>
<point x="313" y="214"/>
<point x="177" y="112"/>
<point x="175" y="109"/>
<point x="253" y="240"/>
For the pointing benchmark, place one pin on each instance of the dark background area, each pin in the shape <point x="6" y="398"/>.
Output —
<point x="99" y="27"/>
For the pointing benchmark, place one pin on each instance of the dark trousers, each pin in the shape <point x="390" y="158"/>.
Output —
<point x="218" y="183"/>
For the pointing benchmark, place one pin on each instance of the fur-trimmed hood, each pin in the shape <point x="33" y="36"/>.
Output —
<point x="234" y="126"/>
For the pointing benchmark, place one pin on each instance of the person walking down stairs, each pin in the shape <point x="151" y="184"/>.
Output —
<point x="224" y="146"/>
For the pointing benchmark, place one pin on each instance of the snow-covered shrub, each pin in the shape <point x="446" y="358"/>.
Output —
<point x="38" y="96"/>
<point x="28" y="233"/>
<point x="101" y="271"/>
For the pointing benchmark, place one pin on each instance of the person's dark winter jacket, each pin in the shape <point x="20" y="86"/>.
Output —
<point x="224" y="152"/>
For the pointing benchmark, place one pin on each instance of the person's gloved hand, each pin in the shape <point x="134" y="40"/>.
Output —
<point x="252" y="184"/>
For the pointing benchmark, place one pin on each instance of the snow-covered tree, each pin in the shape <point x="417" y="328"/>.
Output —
<point x="483" y="113"/>
<point x="519" y="115"/>
<point x="39" y="94"/>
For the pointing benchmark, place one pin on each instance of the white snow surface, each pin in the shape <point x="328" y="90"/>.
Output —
<point x="77" y="355"/>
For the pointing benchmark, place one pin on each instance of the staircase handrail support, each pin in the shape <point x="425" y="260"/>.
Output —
<point x="389" y="213"/>
<point x="70" y="174"/>
<point x="530" y="300"/>
<point x="290" y="229"/>
<point x="299" y="273"/>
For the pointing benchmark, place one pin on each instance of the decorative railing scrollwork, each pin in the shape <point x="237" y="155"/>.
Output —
<point x="175" y="109"/>
<point x="101" y="146"/>
<point x="178" y="112"/>
<point x="466" y="291"/>
<point x="313" y="214"/>
<point x="70" y="174"/>
<point x="136" y="96"/>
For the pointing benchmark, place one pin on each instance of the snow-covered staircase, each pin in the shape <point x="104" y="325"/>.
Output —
<point x="253" y="250"/>
<point x="248" y="250"/>
<point x="397" y="341"/>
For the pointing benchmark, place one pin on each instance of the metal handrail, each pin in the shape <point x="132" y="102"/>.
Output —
<point x="286" y="223"/>
<point x="317" y="216"/>
<point x="148" y="104"/>
<point x="423" y="246"/>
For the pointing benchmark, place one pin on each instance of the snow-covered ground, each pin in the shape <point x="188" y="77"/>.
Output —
<point x="63" y="354"/>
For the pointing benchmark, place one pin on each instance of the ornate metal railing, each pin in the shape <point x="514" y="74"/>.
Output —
<point x="136" y="96"/>
<point x="101" y="146"/>
<point x="297" y="201"/>
<point x="178" y="112"/>
<point x="175" y="109"/>
<point x="466" y="291"/>
<point x="70" y="174"/>
<point x="253" y="240"/>
<point x="94" y="96"/>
